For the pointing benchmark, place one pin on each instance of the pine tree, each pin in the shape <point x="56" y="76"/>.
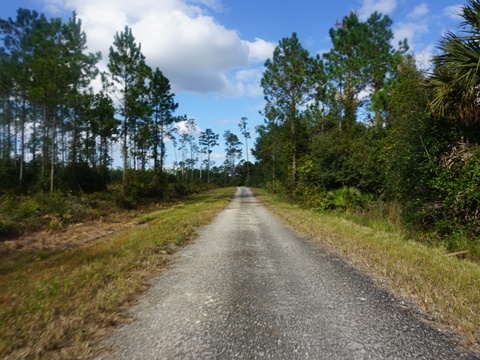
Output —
<point x="18" y="41"/>
<point x="81" y="71"/>
<point x="233" y="151"/>
<point x="129" y="71"/>
<point x="162" y="103"/>
<point x="242" y="125"/>
<point x="209" y="140"/>
<point x="291" y="80"/>
<point x="345" y="66"/>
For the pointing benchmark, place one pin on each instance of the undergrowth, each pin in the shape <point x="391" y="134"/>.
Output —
<point x="53" y="211"/>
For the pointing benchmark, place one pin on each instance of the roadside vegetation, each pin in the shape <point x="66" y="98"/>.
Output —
<point x="54" y="304"/>
<point x="361" y="126"/>
<point x="446" y="288"/>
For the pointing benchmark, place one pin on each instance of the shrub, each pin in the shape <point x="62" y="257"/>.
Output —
<point x="345" y="198"/>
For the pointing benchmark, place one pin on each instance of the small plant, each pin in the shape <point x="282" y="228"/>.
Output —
<point x="54" y="223"/>
<point x="457" y="241"/>
<point x="345" y="198"/>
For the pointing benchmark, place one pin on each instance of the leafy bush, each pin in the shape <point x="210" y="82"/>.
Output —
<point x="182" y="189"/>
<point x="345" y="198"/>
<point x="17" y="212"/>
<point x="310" y="196"/>
<point x="457" y="186"/>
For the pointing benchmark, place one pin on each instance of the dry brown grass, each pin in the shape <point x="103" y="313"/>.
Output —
<point x="56" y="304"/>
<point x="446" y="289"/>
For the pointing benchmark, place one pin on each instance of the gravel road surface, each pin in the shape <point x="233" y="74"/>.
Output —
<point x="249" y="288"/>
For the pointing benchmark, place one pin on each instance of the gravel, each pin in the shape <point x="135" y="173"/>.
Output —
<point x="250" y="288"/>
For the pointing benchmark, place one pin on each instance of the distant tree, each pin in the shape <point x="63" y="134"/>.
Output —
<point x="103" y="113"/>
<point x="185" y="140"/>
<point x="161" y="100"/>
<point x="233" y="150"/>
<point x="208" y="139"/>
<point x="242" y="125"/>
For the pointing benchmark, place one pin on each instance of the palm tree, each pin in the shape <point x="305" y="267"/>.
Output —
<point x="455" y="79"/>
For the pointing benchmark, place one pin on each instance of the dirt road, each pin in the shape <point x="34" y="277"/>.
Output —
<point x="249" y="288"/>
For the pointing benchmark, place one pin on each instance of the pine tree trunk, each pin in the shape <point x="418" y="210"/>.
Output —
<point x="52" y="164"/>
<point x="22" y="140"/>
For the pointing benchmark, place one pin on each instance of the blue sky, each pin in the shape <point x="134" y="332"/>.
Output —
<point x="213" y="50"/>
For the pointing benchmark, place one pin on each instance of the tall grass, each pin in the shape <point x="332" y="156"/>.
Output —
<point x="59" y="304"/>
<point x="446" y="287"/>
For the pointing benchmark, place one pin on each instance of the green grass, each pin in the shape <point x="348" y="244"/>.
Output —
<point x="445" y="287"/>
<point x="56" y="305"/>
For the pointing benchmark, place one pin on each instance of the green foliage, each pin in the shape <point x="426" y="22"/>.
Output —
<point x="309" y="196"/>
<point x="182" y="189"/>
<point x="457" y="188"/>
<point x="362" y="57"/>
<point x="129" y="72"/>
<point x="455" y="75"/>
<point x="345" y="199"/>
<point x="48" y="211"/>
<point x="291" y="80"/>
<point x="162" y="104"/>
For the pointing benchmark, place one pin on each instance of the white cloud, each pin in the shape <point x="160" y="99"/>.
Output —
<point x="384" y="7"/>
<point x="191" y="48"/>
<point x="424" y="57"/>
<point x="411" y="31"/>
<point x="453" y="11"/>
<point x="217" y="156"/>
<point x="182" y="128"/>
<point x="260" y="50"/>
<point x="419" y="11"/>
<point x="214" y="4"/>
<point x="250" y="81"/>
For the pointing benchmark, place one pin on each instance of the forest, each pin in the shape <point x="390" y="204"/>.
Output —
<point x="362" y="129"/>
<point x="59" y="133"/>
<point x="359" y="129"/>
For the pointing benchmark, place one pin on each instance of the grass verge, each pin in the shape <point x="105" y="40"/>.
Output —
<point x="59" y="304"/>
<point x="444" y="287"/>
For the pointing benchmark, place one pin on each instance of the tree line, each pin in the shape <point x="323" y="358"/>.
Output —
<point x="362" y="122"/>
<point x="58" y="132"/>
<point x="359" y="122"/>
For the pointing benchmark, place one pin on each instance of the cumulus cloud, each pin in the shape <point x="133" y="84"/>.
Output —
<point x="259" y="50"/>
<point x="249" y="81"/>
<point x="419" y="11"/>
<point x="453" y="11"/>
<point x="191" y="48"/>
<point x="182" y="128"/>
<point x="411" y="31"/>
<point x="368" y="7"/>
